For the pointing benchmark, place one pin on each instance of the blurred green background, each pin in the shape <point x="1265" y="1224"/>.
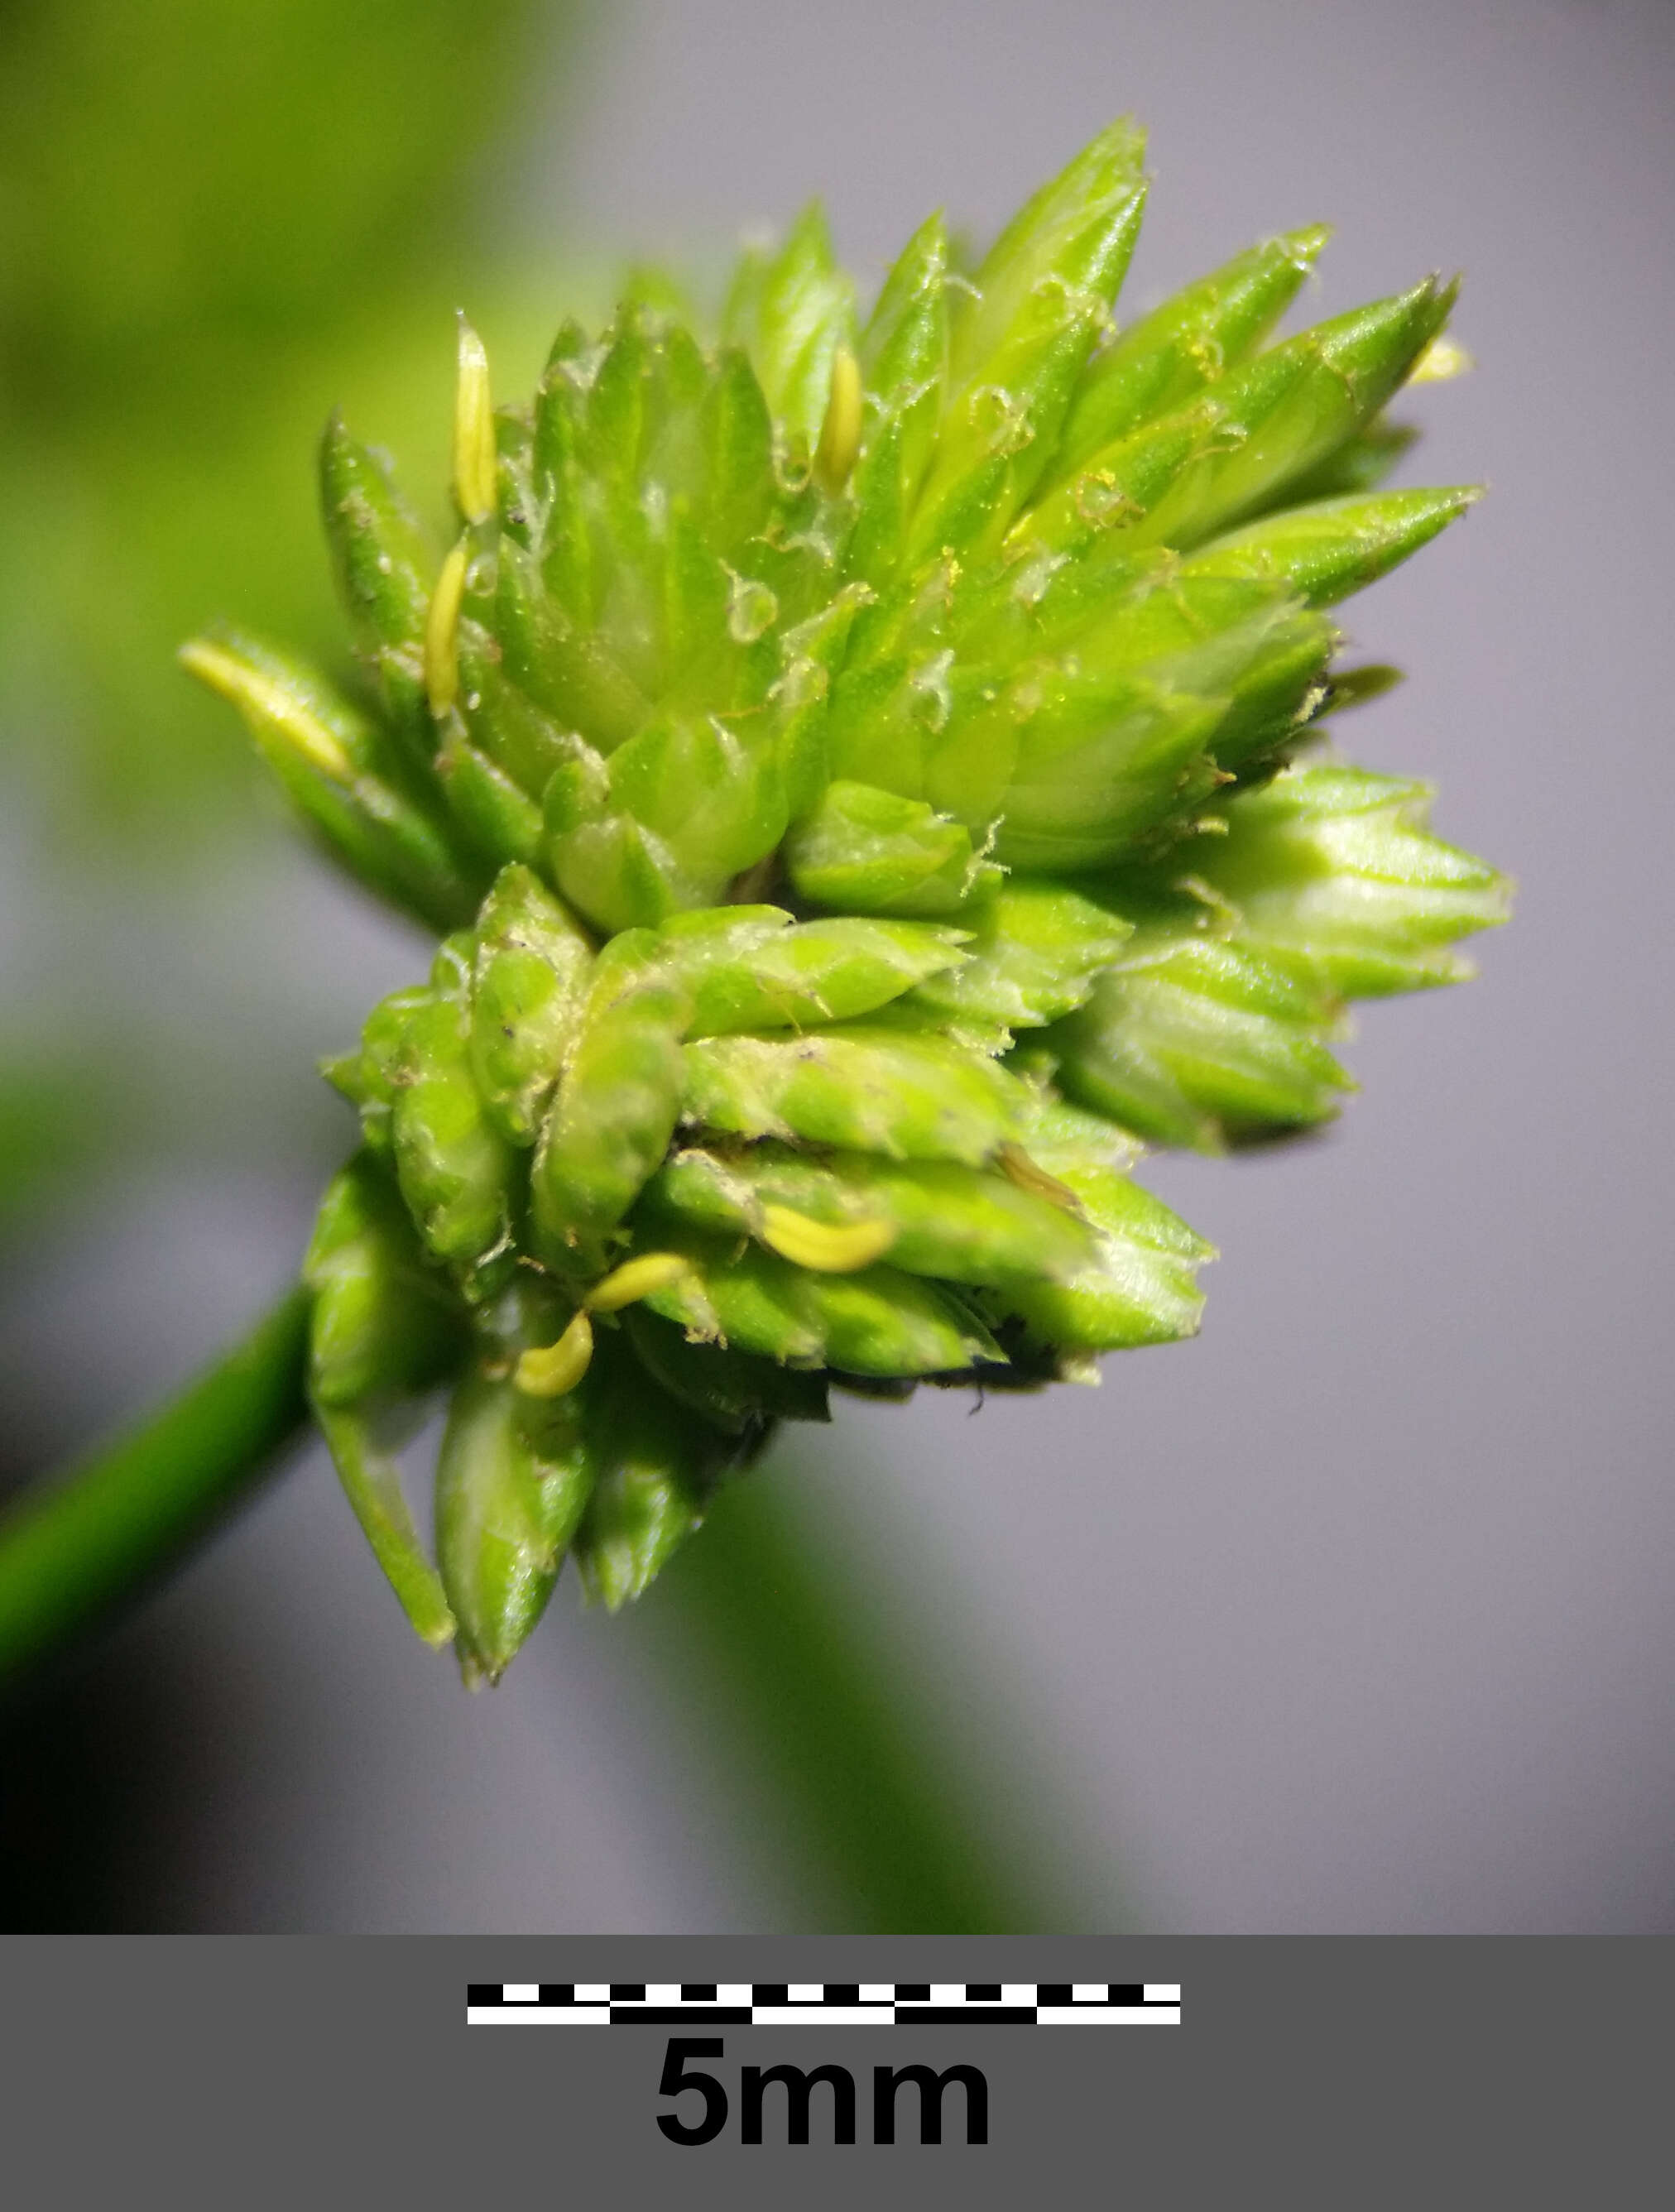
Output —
<point x="219" y="223"/>
<point x="215" y="224"/>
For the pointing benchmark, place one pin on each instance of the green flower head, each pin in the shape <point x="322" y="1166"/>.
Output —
<point x="863" y="774"/>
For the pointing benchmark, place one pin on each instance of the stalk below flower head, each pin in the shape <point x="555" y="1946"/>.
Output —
<point x="865" y="776"/>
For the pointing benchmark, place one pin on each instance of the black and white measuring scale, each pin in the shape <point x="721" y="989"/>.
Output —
<point x="822" y="2004"/>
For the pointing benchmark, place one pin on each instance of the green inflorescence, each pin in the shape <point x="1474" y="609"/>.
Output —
<point x="852" y="768"/>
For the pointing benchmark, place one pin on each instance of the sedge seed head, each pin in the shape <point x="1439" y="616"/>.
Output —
<point x="849" y="759"/>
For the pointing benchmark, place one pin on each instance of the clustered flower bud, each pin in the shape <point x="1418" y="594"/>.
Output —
<point x="854" y="770"/>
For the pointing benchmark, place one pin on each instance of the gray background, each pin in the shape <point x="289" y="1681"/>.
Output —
<point x="1356" y="1613"/>
<point x="1377" y="2075"/>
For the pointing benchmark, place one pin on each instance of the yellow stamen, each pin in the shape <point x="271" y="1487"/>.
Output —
<point x="474" y="466"/>
<point x="840" y="432"/>
<point x="276" y="716"/>
<point x="442" y="633"/>
<point x="816" y="1245"/>
<point x="1442" y="358"/>
<point x="1017" y="1167"/>
<point x="554" y="1369"/>
<point x="636" y="1278"/>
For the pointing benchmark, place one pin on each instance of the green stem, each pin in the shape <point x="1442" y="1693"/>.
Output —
<point x="775" y="1658"/>
<point x="74" y="1548"/>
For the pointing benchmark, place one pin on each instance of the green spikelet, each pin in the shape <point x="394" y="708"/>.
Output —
<point x="846" y="758"/>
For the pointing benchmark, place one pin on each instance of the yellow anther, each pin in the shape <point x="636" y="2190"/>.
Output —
<point x="277" y="717"/>
<point x="816" y="1245"/>
<point x="1017" y="1167"/>
<point x="554" y="1369"/>
<point x="473" y="430"/>
<point x="442" y="632"/>
<point x="636" y="1278"/>
<point x="840" y="432"/>
<point x="1442" y="358"/>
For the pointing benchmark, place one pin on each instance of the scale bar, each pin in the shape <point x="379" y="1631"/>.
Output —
<point x="822" y="2004"/>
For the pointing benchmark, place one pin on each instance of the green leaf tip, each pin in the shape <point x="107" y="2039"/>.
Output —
<point x="860" y="764"/>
